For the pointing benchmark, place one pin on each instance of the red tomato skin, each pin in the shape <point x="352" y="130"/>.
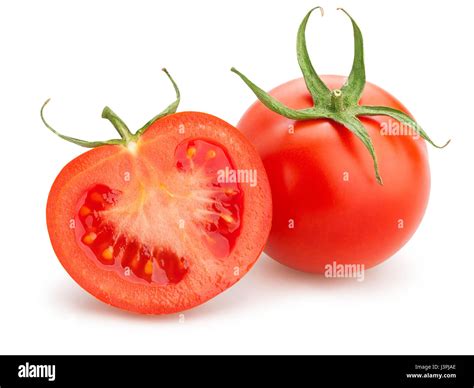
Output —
<point x="349" y="221"/>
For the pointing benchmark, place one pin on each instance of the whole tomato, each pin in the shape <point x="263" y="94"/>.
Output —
<point x="321" y="139"/>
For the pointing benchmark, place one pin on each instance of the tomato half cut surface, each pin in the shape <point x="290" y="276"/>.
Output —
<point x="164" y="223"/>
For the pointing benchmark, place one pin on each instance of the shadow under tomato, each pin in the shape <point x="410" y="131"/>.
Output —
<point x="266" y="284"/>
<point x="74" y="300"/>
<point x="393" y="273"/>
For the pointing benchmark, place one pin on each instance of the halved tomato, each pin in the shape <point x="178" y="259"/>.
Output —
<point x="163" y="220"/>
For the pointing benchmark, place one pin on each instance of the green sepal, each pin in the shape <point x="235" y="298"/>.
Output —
<point x="354" y="125"/>
<point x="275" y="105"/>
<point x="367" y="110"/>
<point x="317" y="88"/>
<point x="170" y="109"/>
<point x="82" y="143"/>
<point x="354" y="86"/>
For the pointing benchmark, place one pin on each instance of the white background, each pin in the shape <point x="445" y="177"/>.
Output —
<point x="91" y="53"/>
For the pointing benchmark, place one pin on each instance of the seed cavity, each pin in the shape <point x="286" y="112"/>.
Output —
<point x="128" y="257"/>
<point x="96" y="197"/>
<point x="221" y="202"/>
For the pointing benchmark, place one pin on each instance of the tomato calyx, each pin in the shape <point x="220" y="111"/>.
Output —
<point x="127" y="138"/>
<point x="339" y="105"/>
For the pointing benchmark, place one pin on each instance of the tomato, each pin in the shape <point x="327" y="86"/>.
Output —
<point x="313" y="135"/>
<point x="152" y="224"/>
<point x="327" y="205"/>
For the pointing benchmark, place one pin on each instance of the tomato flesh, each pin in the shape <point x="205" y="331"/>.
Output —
<point x="154" y="228"/>
<point x="218" y="218"/>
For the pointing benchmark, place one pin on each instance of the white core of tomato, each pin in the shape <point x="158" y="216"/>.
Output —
<point x="167" y="213"/>
<point x="132" y="147"/>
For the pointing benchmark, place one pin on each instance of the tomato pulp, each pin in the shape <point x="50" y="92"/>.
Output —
<point x="152" y="227"/>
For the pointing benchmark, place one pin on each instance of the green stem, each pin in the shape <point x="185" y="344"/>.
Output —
<point x="118" y="124"/>
<point x="337" y="100"/>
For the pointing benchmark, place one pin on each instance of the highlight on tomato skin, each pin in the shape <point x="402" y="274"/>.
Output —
<point x="345" y="189"/>
<point x="153" y="222"/>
